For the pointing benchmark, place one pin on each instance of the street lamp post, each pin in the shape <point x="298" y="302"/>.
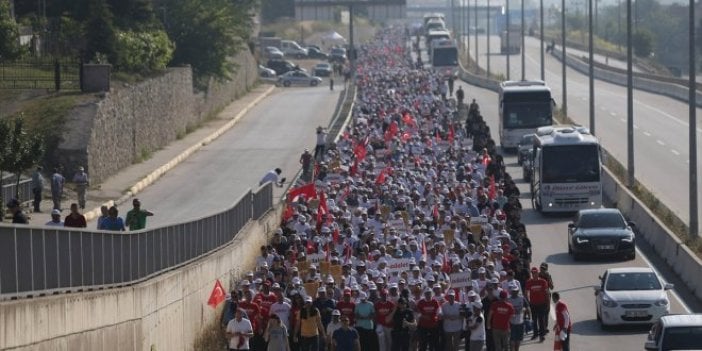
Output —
<point x="564" y="108"/>
<point x="591" y="67"/>
<point x="541" y="38"/>
<point x="523" y="43"/>
<point x="487" y="33"/>
<point x="629" y="99"/>
<point x="507" y="38"/>
<point x="477" y="66"/>
<point x="692" y="106"/>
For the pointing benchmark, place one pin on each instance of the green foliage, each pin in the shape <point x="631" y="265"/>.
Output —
<point x="272" y="10"/>
<point x="100" y="32"/>
<point x="10" y="48"/>
<point x="207" y="33"/>
<point x="133" y="13"/>
<point x="143" y="51"/>
<point x="20" y="150"/>
<point x="642" y="40"/>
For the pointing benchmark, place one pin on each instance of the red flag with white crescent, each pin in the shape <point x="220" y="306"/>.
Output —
<point x="217" y="296"/>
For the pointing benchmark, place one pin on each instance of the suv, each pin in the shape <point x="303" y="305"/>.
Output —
<point x="676" y="332"/>
<point x="292" y="49"/>
<point x="280" y="66"/>
<point x="337" y="55"/>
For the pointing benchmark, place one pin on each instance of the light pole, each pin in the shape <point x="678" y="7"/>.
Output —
<point x="507" y="38"/>
<point x="523" y="42"/>
<point x="466" y="9"/>
<point x="477" y="66"/>
<point x="692" y="105"/>
<point x="591" y="67"/>
<point x="619" y="25"/>
<point x="541" y="37"/>
<point x="629" y="99"/>
<point x="487" y="33"/>
<point x="563" y="59"/>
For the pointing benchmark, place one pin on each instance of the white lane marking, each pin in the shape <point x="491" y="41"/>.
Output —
<point x="613" y="114"/>
<point x="673" y="292"/>
<point x="623" y="120"/>
<point x="647" y="134"/>
<point x="660" y="142"/>
<point x="675" y="152"/>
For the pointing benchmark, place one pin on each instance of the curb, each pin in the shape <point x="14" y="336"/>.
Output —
<point x="160" y="171"/>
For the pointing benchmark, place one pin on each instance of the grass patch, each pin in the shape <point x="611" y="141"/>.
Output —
<point x="144" y="154"/>
<point x="211" y="337"/>
<point x="667" y="216"/>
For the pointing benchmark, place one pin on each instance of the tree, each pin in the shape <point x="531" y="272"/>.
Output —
<point x="207" y="33"/>
<point x="23" y="150"/>
<point x="4" y="154"/>
<point x="10" y="47"/>
<point x="642" y="40"/>
<point x="100" y="32"/>
<point x="132" y="14"/>
<point x="272" y="10"/>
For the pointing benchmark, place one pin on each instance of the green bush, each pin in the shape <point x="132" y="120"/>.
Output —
<point x="143" y="51"/>
<point x="10" y="47"/>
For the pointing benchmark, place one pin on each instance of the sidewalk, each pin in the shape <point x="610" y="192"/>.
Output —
<point x="119" y="188"/>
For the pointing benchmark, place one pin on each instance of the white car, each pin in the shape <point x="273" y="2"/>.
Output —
<point x="631" y="296"/>
<point x="676" y="332"/>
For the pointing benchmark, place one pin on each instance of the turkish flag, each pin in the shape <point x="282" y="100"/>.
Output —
<point x="308" y="190"/>
<point x="335" y="235"/>
<point x="360" y="152"/>
<point x="322" y="210"/>
<point x="451" y="134"/>
<point x="424" y="250"/>
<point x="381" y="177"/>
<point x="492" y="190"/>
<point x="217" y="296"/>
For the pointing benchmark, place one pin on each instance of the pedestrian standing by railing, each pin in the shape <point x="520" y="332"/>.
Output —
<point x="18" y="217"/>
<point x="82" y="183"/>
<point x="37" y="188"/>
<point x="75" y="219"/>
<point x="57" y="181"/>
<point x="113" y="221"/>
<point x="136" y="217"/>
<point x="55" y="219"/>
<point x="321" y="142"/>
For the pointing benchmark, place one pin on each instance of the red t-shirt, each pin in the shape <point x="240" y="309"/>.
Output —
<point x="347" y="309"/>
<point x="382" y="311"/>
<point x="253" y="312"/>
<point x="561" y="315"/>
<point x="537" y="290"/>
<point x="428" y="313"/>
<point x="77" y="222"/>
<point x="501" y="312"/>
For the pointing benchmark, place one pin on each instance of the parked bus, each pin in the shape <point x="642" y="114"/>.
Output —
<point x="567" y="167"/>
<point x="524" y="106"/>
<point x="444" y="57"/>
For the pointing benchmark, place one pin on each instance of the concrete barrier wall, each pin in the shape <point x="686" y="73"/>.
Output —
<point x="667" y="245"/>
<point x="164" y="313"/>
<point x="672" y="90"/>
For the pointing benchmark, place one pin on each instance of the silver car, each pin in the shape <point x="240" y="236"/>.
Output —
<point x="298" y="78"/>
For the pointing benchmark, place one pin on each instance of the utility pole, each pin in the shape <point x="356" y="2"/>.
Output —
<point x="467" y="39"/>
<point x="352" y="56"/>
<point x="619" y="25"/>
<point x="629" y="99"/>
<point x="487" y="34"/>
<point x="507" y="37"/>
<point x="541" y="37"/>
<point x="591" y="67"/>
<point x="692" y="105"/>
<point x="477" y="66"/>
<point x="564" y="107"/>
<point x="523" y="44"/>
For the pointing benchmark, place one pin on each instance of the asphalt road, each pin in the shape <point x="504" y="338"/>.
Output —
<point x="575" y="279"/>
<point x="273" y="134"/>
<point x="661" y="147"/>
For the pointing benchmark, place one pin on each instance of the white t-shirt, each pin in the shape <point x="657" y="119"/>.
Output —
<point x="452" y="314"/>
<point x="243" y="326"/>
<point x="282" y="310"/>
<point x="478" y="333"/>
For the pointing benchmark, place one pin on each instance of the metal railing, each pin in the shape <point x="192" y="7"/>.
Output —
<point x="25" y="190"/>
<point x="44" y="260"/>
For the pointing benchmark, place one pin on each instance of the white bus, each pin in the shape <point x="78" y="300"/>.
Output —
<point x="436" y="35"/>
<point x="444" y="57"/>
<point x="567" y="167"/>
<point x="524" y="106"/>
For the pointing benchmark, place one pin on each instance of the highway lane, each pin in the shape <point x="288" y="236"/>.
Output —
<point x="273" y="134"/>
<point x="660" y="125"/>
<point x="574" y="279"/>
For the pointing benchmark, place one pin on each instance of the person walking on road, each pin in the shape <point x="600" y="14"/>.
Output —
<point x="521" y="312"/>
<point x="306" y="162"/>
<point x="460" y="95"/>
<point x="345" y="338"/>
<point x="55" y="219"/>
<point x="476" y="328"/>
<point x="18" y="217"/>
<point x="564" y="324"/>
<point x="37" y="188"/>
<point x="321" y="142"/>
<point x="57" y="181"/>
<point x="136" y="217"/>
<point x="81" y="181"/>
<point x="113" y="221"/>
<point x="75" y="219"/>
<point x="537" y="292"/>
<point x="239" y="331"/>
<point x="501" y="312"/>
<point x="309" y="327"/>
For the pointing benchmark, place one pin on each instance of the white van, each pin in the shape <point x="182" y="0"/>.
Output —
<point x="292" y="49"/>
<point x="676" y="332"/>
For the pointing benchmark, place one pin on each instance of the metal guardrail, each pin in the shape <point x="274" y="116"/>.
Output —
<point x="45" y="260"/>
<point x="25" y="191"/>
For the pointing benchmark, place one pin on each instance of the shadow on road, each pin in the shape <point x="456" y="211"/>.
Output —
<point x="591" y="327"/>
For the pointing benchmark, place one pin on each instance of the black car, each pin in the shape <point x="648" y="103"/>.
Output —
<point x="601" y="232"/>
<point x="525" y="145"/>
<point x="315" y="53"/>
<point x="281" y="66"/>
<point x="527" y="170"/>
<point x="337" y="55"/>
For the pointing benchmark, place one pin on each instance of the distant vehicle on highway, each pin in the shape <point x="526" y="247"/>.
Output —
<point x="265" y="72"/>
<point x="523" y="106"/>
<point x="525" y="145"/>
<point x="601" y="232"/>
<point x="527" y="170"/>
<point x="281" y="66"/>
<point x="567" y="171"/>
<point x="298" y="78"/>
<point x="676" y="332"/>
<point x="322" y="69"/>
<point x="337" y="55"/>
<point x="316" y="53"/>
<point x="292" y="49"/>
<point x="634" y="295"/>
<point x="273" y="53"/>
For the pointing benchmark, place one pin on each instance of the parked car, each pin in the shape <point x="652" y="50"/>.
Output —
<point x="292" y="49"/>
<point x="266" y="72"/>
<point x="322" y="70"/>
<point x="273" y="53"/>
<point x="633" y="295"/>
<point x="526" y="144"/>
<point x="281" y="66"/>
<point x="316" y="53"/>
<point x="676" y="332"/>
<point x="337" y="55"/>
<point x="527" y="170"/>
<point x="298" y="78"/>
<point x="601" y="232"/>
